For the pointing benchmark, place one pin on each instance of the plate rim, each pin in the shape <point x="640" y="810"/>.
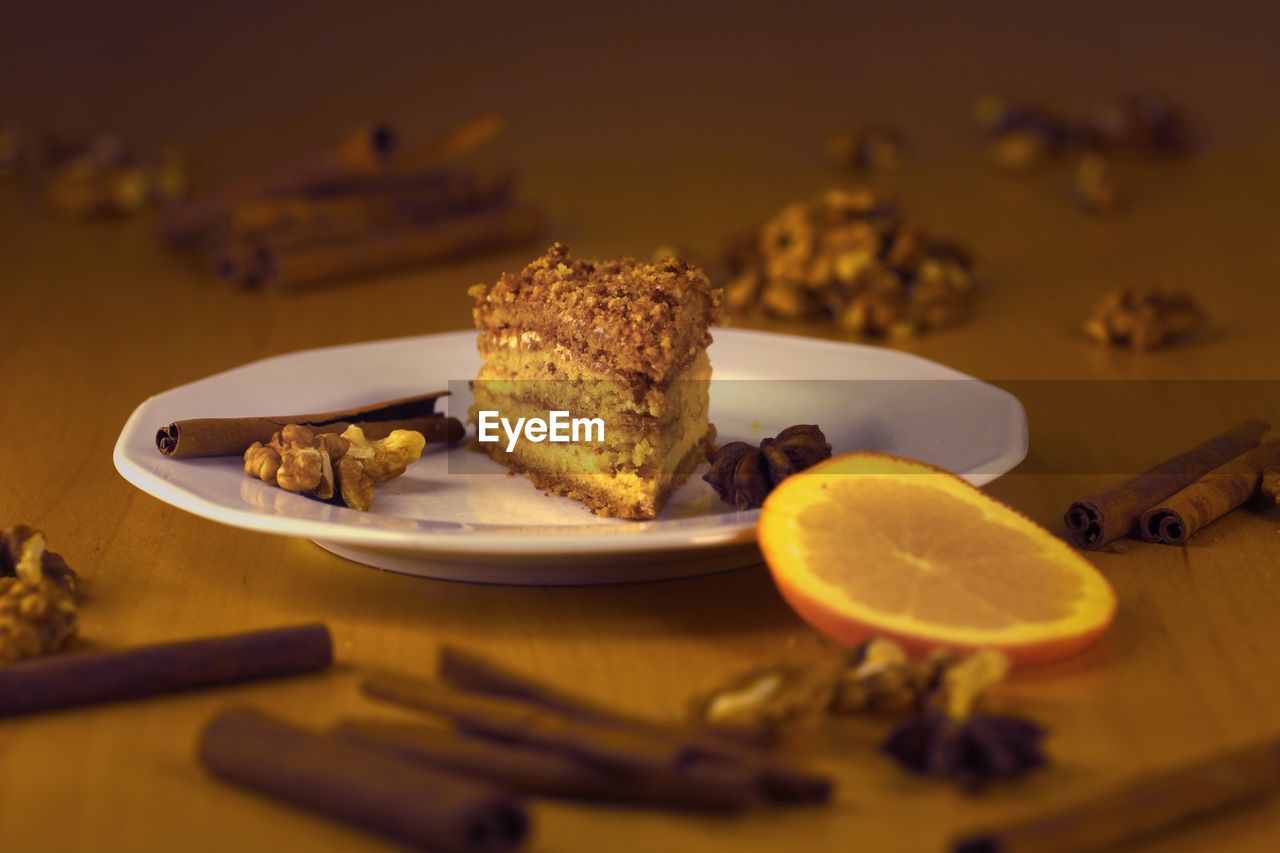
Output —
<point x="472" y="543"/>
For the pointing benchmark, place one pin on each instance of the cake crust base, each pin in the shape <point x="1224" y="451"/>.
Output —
<point x="600" y="500"/>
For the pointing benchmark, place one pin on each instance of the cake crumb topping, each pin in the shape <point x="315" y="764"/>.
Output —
<point x="646" y="319"/>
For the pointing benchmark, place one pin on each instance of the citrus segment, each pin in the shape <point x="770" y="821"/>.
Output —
<point x="868" y="544"/>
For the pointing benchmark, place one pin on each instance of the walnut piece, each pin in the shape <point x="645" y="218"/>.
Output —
<point x="24" y="554"/>
<point x="37" y="596"/>
<point x="386" y="458"/>
<point x="355" y="485"/>
<point x="1144" y="319"/>
<point x="1095" y="188"/>
<point x="36" y="617"/>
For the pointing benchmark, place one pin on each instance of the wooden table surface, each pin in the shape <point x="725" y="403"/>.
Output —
<point x="677" y="127"/>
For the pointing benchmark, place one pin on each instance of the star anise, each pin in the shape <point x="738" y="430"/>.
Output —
<point x="952" y="740"/>
<point x="971" y="752"/>
<point x="743" y="474"/>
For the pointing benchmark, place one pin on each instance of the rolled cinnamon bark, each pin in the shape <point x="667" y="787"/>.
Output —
<point x="1099" y="519"/>
<point x="1147" y="804"/>
<point x="368" y="206"/>
<point x="513" y="722"/>
<point x="232" y="436"/>
<point x="779" y="780"/>
<point x="81" y="678"/>
<point x="364" y="151"/>
<point x="450" y="144"/>
<point x="1206" y="500"/>
<point x="539" y="771"/>
<point x="467" y="671"/>
<point x="403" y="800"/>
<point x="286" y="264"/>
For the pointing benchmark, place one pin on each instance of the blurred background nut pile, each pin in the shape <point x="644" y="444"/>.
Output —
<point x="37" y="596"/>
<point x="1023" y="137"/>
<point x="101" y="177"/>
<point x="850" y="257"/>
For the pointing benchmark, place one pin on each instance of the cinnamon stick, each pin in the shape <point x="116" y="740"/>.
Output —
<point x="375" y="790"/>
<point x="287" y="263"/>
<point x="780" y="781"/>
<point x="81" y="678"/>
<point x="1145" y="805"/>
<point x="513" y="722"/>
<point x="368" y="206"/>
<point x="361" y="152"/>
<point x="367" y="153"/>
<point x="1096" y="520"/>
<point x="1206" y="500"/>
<point x="539" y="771"/>
<point x="449" y="145"/>
<point x="232" y="436"/>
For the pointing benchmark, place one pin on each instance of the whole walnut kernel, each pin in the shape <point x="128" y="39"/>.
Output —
<point x="261" y="462"/>
<point x="36" y="617"/>
<point x="301" y="468"/>
<point x="1144" y="319"/>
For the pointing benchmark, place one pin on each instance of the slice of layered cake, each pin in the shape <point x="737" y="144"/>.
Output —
<point x="621" y="341"/>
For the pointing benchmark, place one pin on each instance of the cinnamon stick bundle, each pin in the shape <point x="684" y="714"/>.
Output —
<point x="368" y="205"/>
<point x="368" y="154"/>
<point x="231" y="436"/>
<point x="539" y="771"/>
<point x="1096" y="520"/>
<point x="467" y="671"/>
<point x="779" y="780"/>
<point x="406" y="801"/>
<point x="1206" y="500"/>
<point x="1143" y="806"/>
<point x="287" y="263"/>
<point x="513" y="722"/>
<point x="361" y="152"/>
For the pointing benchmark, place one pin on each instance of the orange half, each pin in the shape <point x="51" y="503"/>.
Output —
<point x="868" y="544"/>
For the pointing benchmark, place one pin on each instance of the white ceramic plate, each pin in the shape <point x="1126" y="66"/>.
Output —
<point x="456" y="515"/>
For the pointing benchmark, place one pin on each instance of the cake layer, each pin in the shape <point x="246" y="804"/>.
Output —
<point x="620" y="495"/>
<point x="523" y="376"/>
<point x="621" y="318"/>
<point x="632" y="444"/>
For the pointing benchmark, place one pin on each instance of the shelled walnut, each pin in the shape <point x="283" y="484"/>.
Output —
<point x="37" y="596"/>
<point x="322" y="465"/>
<point x="1144" y="319"/>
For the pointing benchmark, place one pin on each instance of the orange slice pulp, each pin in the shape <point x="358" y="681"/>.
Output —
<point x="867" y="544"/>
